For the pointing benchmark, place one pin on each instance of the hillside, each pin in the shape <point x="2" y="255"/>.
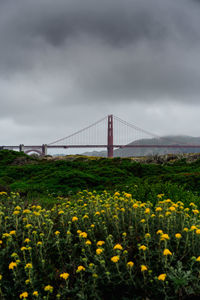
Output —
<point x="167" y="140"/>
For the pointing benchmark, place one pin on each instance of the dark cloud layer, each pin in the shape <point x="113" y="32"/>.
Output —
<point x="60" y="57"/>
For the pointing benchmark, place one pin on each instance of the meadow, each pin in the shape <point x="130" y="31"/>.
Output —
<point x="134" y="233"/>
<point x="99" y="246"/>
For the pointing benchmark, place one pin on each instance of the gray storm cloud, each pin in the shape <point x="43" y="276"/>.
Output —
<point x="136" y="49"/>
<point x="62" y="56"/>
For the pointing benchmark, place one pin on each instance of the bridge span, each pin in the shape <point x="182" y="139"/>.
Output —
<point x="89" y="137"/>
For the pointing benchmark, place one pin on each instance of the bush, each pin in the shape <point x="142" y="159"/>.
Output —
<point x="99" y="246"/>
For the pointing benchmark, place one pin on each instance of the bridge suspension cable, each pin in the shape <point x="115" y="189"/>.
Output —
<point x="78" y="132"/>
<point x="158" y="139"/>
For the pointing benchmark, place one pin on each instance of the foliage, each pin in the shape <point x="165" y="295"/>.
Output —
<point x="99" y="246"/>
<point x="27" y="175"/>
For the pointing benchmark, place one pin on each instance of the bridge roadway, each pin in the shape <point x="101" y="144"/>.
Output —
<point x="42" y="149"/>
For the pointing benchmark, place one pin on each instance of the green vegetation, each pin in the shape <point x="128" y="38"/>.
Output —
<point x="36" y="178"/>
<point x="99" y="246"/>
<point x="96" y="228"/>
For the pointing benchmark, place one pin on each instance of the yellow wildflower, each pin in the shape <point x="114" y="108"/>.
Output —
<point x="91" y="265"/>
<point x="164" y="237"/>
<point x="100" y="243"/>
<point x="117" y="194"/>
<point x="127" y="195"/>
<point x="12" y="265"/>
<point x="18" y="208"/>
<point x="28" y="266"/>
<point x="6" y="235"/>
<point x="27" y="241"/>
<point x="83" y="235"/>
<point x="147" y="235"/>
<point x="26" y="211"/>
<point x="36" y="213"/>
<point x="130" y="264"/>
<point x="135" y="205"/>
<point x="198" y="231"/>
<point x="12" y="232"/>
<point x="159" y="208"/>
<point x="88" y="242"/>
<point x="57" y="232"/>
<point x="193" y="227"/>
<point x="147" y="211"/>
<point x="28" y="226"/>
<point x="118" y="247"/>
<point x="48" y="288"/>
<point x="160" y="196"/>
<point x="115" y="259"/>
<point x="64" y="276"/>
<point x="178" y="235"/>
<point x="23" y="249"/>
<point x="14" y="254"/>
<point x="167" y="213"/>
<point x="143" y="247"/>
<point x="3" y="193"/>
<point x="167" y="252"/>
<point x="16" y="212"/>
<point x="143" y="268"/>
<point x="172" y="208"/>
<point x="23" y="295"/>
<point x="35" y="293"/>
<point x="198" y="258"/>
<point x="167" y="201"/>
<point x="99" y="251"/>
<point x="74" y="219"/>
<point x="162" y="277"/>
<point x="80" y="268"/>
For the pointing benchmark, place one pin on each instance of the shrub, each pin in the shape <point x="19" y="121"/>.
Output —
<point x="99" y="246"/>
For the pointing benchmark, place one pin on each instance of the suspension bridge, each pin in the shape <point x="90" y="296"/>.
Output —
<point x="110" y="133"/>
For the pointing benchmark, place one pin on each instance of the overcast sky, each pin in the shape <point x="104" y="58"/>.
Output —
<point x="65" y="64"/>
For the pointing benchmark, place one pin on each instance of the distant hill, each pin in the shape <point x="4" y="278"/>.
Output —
<point x="167" y="140"/>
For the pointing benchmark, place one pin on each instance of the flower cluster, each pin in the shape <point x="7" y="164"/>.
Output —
<point x="96" y="240"/>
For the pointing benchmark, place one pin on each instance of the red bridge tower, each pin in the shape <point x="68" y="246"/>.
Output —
<point x="110" y="136"/>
